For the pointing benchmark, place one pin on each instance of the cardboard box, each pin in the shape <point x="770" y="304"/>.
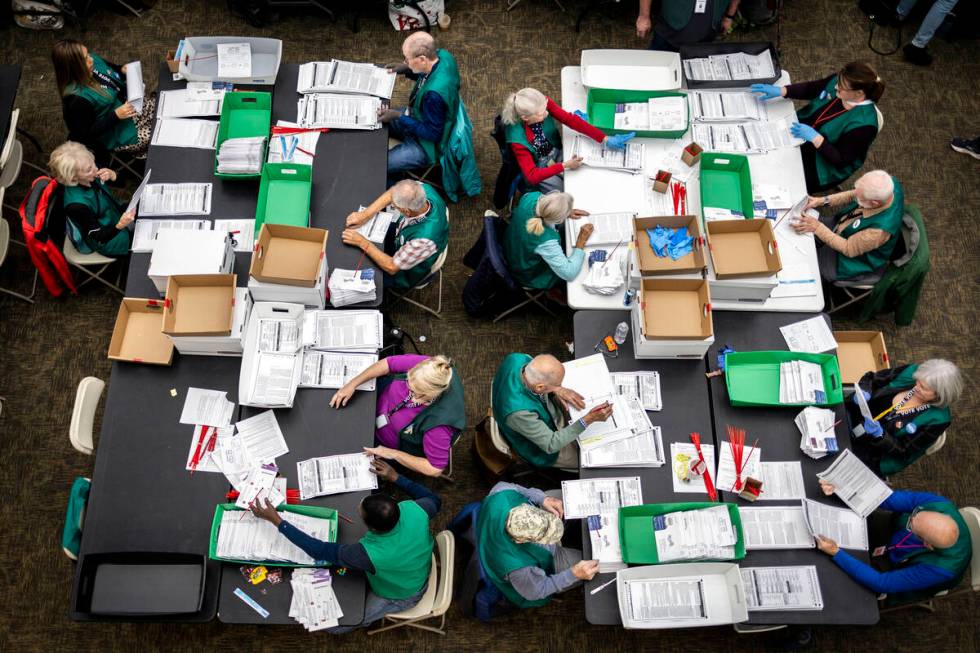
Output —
<point x="289" y="255"/>
<point x="172" y="64"/>
<point x="691" y="154"/>
<point x="315" y="297"/>
<point x="661" y="181"/>
<point x="649" y="264"/>
<point x="746" y="290"/>
<point x="179" y="251"/>
<point x="138" y="336"/>
<point x="252" y="357"/>
<point x="672" y="319"/>
<point x="230" y="345"/>
<point x="743" y="248"/>
<point x="199" y="305"/>
<point x="859" y="352"/>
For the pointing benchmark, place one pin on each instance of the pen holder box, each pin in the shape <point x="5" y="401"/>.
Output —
<point x="311" y="511"/>
<point x="751" y="490"/>
<point x="661" y="182"/>
<point x="691" y="154"/>
<point x="602" y="110"/>
<point x="636" y="530"/>
<point x="243" y="115"/>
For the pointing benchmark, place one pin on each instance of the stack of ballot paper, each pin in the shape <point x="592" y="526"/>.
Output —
<point x="642" y="386"/>
<point x="779" y="527"/>
<point x="314" y="602"/>
<point x="608" y="228"/>
<point x="176" y="199"/>
<point x="241" y="156"/>
<point x="745" y="137"/>
<point x="333" y="369"/>
<point x="782" y="588"/>
<point x="376" y="228"/>
<point x="134" y="85"/>
<point x="335" y="475"/>
<point x="597" y="155"/>
<point x="704" y="534"/>
<point x="185" y="132"/>
<point x="343" y="330"/>
<point x="846" y="527"/>
<point x="801" y="382"/>
<point x="856" y="485"/>
<point x="598" y="501"/>
<point x="714" y="106"/>
<point x="145" y="231"/>
<point x="338" y="111"/>
<point x="656" y="114"/>
<point x="337" y="76"/>
<point x="738" y="65"/>
<point x="184" y="103"/>
<point x="351" y="287"/>
<point x="243" y="536"/>
<point x="817" y="431"/>
<point x="298" y="147"/>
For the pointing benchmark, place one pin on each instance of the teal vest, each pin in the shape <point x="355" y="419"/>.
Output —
<point x="500" y="554"/>
<point x="435" y="227"/>
<point x="893" y="463"/>
<point x="448" y="410"/>
<point x="124" y="131"/>
<point x="98" y="199"/>
<point x="518" y="134"/>
<point x="859" y="116"/>
<point x="402" y="557"/>
<point x="509" y="395"/>
<point x="889" y="220"/>
<point x="678" y="13"/>
<point x="527" y="266"/>
<point x="444" y="80"/>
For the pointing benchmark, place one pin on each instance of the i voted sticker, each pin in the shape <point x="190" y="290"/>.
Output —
<point x="911" y="427"/>
<point x="856" y="223"/>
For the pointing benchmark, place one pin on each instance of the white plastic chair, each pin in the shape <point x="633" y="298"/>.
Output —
<point x="937" y="445"/>
<point x="80" y="433"/>
<point x="435" y="271"/>
<point x="495" y="437"/>
<point x="5" y="241"/>
<point x="85" y="261"/>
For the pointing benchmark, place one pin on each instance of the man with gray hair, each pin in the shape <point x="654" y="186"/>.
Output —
<point x="416" y="238"/>
<point x="530" y="407"/>
<point x="857" y="242"/>
<point x="422" y="127"/>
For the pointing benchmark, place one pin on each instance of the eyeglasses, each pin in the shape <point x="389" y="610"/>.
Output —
<point x="916" y="511"/>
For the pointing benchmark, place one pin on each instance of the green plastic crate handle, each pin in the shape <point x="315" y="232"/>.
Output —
<point x="834" y="383"/>
<point x="723" y="162"/>
<point x="288" y="171"/>
<point x="250" y="99"/>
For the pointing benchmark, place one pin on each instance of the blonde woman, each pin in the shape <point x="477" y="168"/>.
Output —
<point x="420" y="410"/>
<point x="95" y="220"/>
<point x="530" y="129"/>
<point x="532" y="245"/>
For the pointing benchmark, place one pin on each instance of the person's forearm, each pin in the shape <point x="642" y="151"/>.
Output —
<point x="908" y="500"/>
<point x="420" y="493"/>
<point x="905" y="579"/>
<point x="379" y="258"/>
<point x="416" y="463"/>
<point x="374" y="371"/>
<point x="537" y="432"/>
<point x="533" y="584"/>
<point x="379" y="204"/>
<point x="532" y="173"/>
<point x="566" y="267"/>
<point x="806" y="90"/>
<point x="860" y="243"/>
<point x="842" y="198"/>
<point x="645" y="8"/>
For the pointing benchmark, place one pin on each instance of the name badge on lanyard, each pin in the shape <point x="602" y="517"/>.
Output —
<point x="700" y="6"/>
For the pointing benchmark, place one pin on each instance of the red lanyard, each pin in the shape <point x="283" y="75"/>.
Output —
<point x="820" y="119"/>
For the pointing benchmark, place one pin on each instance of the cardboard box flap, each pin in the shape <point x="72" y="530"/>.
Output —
<point x="859" y="352"/>
<point x="288" y="254"/>
<point x="200" y="305"/>
<point x="138" y="336"/>
<point x="650" y="263"/>
<point x="743" y="248"/>
<point x="676" y="309"/>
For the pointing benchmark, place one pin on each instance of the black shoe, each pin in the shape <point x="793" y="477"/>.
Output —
<point x="966" y="146"/>
<point x="917" y="56"/>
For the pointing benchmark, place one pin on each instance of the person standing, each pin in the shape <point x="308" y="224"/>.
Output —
<point x="681" y="22"/>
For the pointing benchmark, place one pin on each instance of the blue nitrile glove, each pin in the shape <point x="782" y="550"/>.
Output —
<point x="581" y="114"/>
<point x="619" y="141"/>
<point x="767" y="91"/>
<point x="864" y="393"/>
<point x="872" y="428"/>
<point x="806" y="132"/>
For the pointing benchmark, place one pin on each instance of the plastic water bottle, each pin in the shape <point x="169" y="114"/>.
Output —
<point x="622" y="330"/>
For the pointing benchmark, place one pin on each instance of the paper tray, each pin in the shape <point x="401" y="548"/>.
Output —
<point x="636" y="529"/>
<point x="141" y="584"/>
<point x="199" y="59"/>
<point x="312" y="511"/>
<point x="724" y="594"/>
<point x="284" y="195"/>
<point x="726" y="182"/>
<point x="244" y="115"/>
<point x="631" y="70"/>
<point x="752" y="377"/>
<point x="702" y="50"/>
<point x="602" y="110"/>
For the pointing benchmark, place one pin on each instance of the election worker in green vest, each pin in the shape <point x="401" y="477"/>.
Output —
<point x="531" y="408"/>
<point x="856" y="243"/>
<point x="395" y="554"/>
<point x="923" y="548"/>
<point x="518" y="539"/>
<point x="415" y="239"/>
<point x="96" y="220"/>
<point x="532" y="244"/>
<point x="683" y="22"/>
<point x="93" y="99"/>
<point x="423" y="127"/>
<point x="912" y="403"/>
<point x="839" y="124"/>
<point x="420" y="410"/>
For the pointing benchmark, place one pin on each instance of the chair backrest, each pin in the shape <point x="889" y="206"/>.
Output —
<point x="446" y="545"/>
<point x="8" y="143"/>
<point x="497" y="134"/>
<point x="881" y="119"/>
<point x="445" y="253"/>
<point x="971" y="516"/>
<point x="937" y="445"/>
<point x="495" y="437"/>
<point x="80" y="433"/>
<point x="4" y="234"/>
<point x="493" y="229"/>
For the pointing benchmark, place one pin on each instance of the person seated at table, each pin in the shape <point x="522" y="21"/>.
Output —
<point x="839" y="124"/>
<point x="416" y="240"/>
<point x="424" y="125"/>
<point x="857" y="242"/>
<point x="420" y="411"/>
<point x="529" y="118"/>
<point x="530" y="408"/>
<point x="532" y="245"/>
<point x="680" y="23"/>
<point x="95" y="220"/>
<point x="518" y="537"/>
<point x="395" y="554"/>
<point x="929" y="548"/>
<point x="912" y="405"/>
<point x="93" y="101"/>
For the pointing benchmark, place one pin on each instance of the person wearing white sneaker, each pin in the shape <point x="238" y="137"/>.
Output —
<point x="967" y="146"/>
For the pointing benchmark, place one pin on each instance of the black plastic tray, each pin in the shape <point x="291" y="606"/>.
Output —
<point x="701" y="50"/>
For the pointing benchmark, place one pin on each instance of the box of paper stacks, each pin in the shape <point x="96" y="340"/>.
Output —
<point x="138" y="335"/>
<point x="672" y="319"/>
<point x="744" y="259"/>
<point x="180" y="251"/>
<point x="654" y="114"/>
<point x="206" y="314"/>
<point x="235" y="59"/>
<point x="669" y="241"/>
<point x="272" y="355"/>
<point x="289" y="264"/>
<point x="859" y="352"/>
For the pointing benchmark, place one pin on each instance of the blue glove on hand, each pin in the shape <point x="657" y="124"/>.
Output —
<point x="872" y="428"/>
<point x="618" y="142"/>
<point x="581" y="114"/>
<point x="767" y="91"/>
<point x="864" y="393"/>
<point x="806" y="132"/>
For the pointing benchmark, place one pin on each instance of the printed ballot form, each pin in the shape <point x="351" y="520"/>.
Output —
<point x="243" y="536"/>
<point x="812" y="336"/>
<point x="597" y="155"/>
<point x="642" y="386"/>
<point x="855" y="484"/>
<point x="262" y="437"/>
<point x="331" y="369"/>
<point x="145" y="231"/>
<point x="782" y="588"/>
<point x="845" y="527"/>
<point x="338" y="111"/>
<point x="343" y="330"/>
<point x="185" y="132"/>
<point x="684" y="595"/>
<point x="778" y="527"/>
<point x="134" y="85"/>
<point x="600" y="495"/>
<point x="335" y="475"/>
<point x="207" y="407"/>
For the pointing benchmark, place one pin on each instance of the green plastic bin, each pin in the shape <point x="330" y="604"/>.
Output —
<point x="726" y="183"/>
<point x="752" y="377"/>
<point x="602" y="110"/>
<point x="636" y="529"/>
<point x="284" y="195"/>
<point x="243" y="115"/>
<point x="311" y="511"/>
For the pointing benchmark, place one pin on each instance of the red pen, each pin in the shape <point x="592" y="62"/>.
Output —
<point x="306" y="152"/>
<point x="196" y="458"/>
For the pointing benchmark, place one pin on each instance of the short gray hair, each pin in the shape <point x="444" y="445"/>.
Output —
<point x="409" y="194"/>
<point x="421" y="44"/>
<point x="943" y="377"/>
<point x="876" y="185"/>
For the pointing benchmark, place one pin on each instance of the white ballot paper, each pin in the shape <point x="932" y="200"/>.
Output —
<point x="778" y="527"/>
<point x="262" y="437"/>
<point x="725" y="106"/>
<point x="242" y="232"/>
<point x="737" y="65"/>
<point x="335" y="474"/>
<point x="134" y="85"/>
<point x="598" y="496"/>
<point x="604" y="538"/>
<point x="185" y="132"/>
<point x="337" y="76"/>
<point x="343" y="330"/>
<point x="703" y="534"/>
<point x="863" y="406"/>
<point x="812" y="336"/>
<point x="234" y="60"/>
<point x="642" y="386"/>
<point x="597" y="155"/>
<point x="751" y="466"/>
<point x="333" y="369"/>
<point x="588" y="376"/>
<point x="642" y="449"/>
<point x="176" y="199"/>
<point x="182" y="103"/>
<point x="782" y="588"/>
<point x="845" y="527"/>
<point x="338" y="111"/>
<point x="227" y="449"/>
<point x="609" y="228"/>
<point x="208" y="407"/>
<point x="314" y="603"/>
<point x="696" y="484"/>
<point x="145" y="231"/>
<point x="376" y="228"/>
<point x="138" y="193"/>
<point x="656" y="600"/>
<point x="855" y="484"/>
<point x="295" y="148"/>
<point x="272" y="384"/>
<point x="781" y="481"/>
<point x="243" y="536"/>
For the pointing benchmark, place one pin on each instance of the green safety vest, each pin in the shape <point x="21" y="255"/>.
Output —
<point x="448" y="410"/>
<point x="955" y="559"/>
<point x="859" y="116"/>
<point x="518" y="134"/>
<point x="527" y="266"/>
<point x="889" y="220"/>
<point x="678" y="13"/>
<point x="100" y="201"/>
<point x="509" y="395"/>
<point x="444" y="80"/>
<point x="124" y="131"/>
<point x="401" y="557"/>
<point x="893" y="463"/>
<point x="500" y="554"/>
<point x="435" y="227"/>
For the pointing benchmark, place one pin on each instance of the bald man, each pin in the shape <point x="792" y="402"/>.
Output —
<point x="929" y="551"/>
<point x="530" y="407"/>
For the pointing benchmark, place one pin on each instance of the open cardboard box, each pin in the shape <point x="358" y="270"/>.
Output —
<point x="676" y="309"/>
<point x="138" y="336"/>
<point x="199" y="305"/>
<point x="288" y="255"/>
<point x="651" y="264"/>
<point x="859" y="352"/>
<point x="743" y="248"/>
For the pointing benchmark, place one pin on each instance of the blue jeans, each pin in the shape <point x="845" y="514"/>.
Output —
<point x="932" y="21"/>
<point x="376" y="607"/>
<point x="407" y="155"/>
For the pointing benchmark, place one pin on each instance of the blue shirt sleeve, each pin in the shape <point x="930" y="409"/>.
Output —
<point x="428" y="500"/>
<point x="566" y="267"/>
<point x="912" y="577"/>
<point x="534" y="584"/>
<point x="533" y="495"/>
<point x="352" y="556"/>
<point x="430" y="124"/>
<point x="907" y="501"/>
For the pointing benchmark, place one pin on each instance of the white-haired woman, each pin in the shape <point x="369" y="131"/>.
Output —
<point x="96" y="221"/>
<point x="420" y="410"/>
<point x="915" y="400"/>
<point x="529" y="118"/>
<point x="532" y="245"/>
<point x="859" y="239"/>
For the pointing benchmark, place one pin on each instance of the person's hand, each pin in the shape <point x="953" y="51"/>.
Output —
<point x="357" y="218"/>
<point x="265" y="510"/>
<point x="814" y="202"/>
<point x="382" y="452"/>
<point x="872" y="428"/>
<point x="569" y="398"/>
<point x="806" y="224"/>
<point x="578" y="213"/>
<point x="388" y="115"/>
<point x="352" y="237"/>
<point x="105" y="175"/>
<point x="726" y="25"/>
<point x="342" y="396"/>
<point x="618" y="141"/>
<point x="827" y="545"/>
<point x="554" y="506"/>
<point x="767" y="92"/>
<point x="827" y="488"/>
<point x="124" y="111"/>
<point x="585" y="569"/>
<point x="383" y="470"/>
<point x="806" y="132"/>
<point x="864" y="393"/>
<point x="581" y="114"/>
<point x="643" y="26"/>
<point x="583" y="235"/>
<point x="572" y="164"/>
<point x="600" y="413"/>
<point x="125" y="220"/>
<point x="399" y="68"/>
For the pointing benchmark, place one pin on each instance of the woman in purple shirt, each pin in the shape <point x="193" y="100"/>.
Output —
<point x="420" y="410"/>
